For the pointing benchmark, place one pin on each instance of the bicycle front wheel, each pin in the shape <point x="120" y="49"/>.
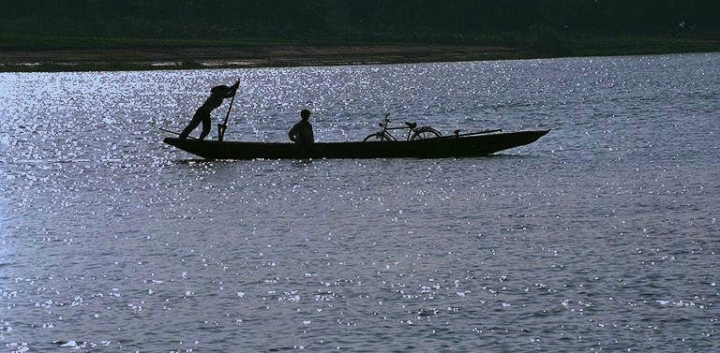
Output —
<point x="425" y="132"/>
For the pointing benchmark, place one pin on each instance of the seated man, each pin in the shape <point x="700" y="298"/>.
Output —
<point x="302" y="132"/>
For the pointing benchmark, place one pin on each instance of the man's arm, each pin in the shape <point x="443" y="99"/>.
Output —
<point x="232" y="89"/>
<point x="293" y="133"/>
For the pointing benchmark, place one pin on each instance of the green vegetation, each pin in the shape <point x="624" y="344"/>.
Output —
<point x="424" y="21"/>
<point x="528" y="28"/>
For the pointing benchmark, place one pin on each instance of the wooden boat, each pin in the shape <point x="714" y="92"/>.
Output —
<point x="458" y="145"/>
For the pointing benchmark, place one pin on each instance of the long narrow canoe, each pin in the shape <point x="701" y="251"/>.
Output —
<point x="468" y="145"/>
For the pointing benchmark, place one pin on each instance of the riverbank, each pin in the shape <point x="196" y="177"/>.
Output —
<point x="195" y="57"/>
<point x="160" y="57"/>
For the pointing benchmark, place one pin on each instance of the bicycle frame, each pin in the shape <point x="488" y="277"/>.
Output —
<point x="409" y="126"/>
<point x="414" y="132"/>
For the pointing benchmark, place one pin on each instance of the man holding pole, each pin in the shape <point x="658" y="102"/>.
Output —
<point x="217" y="95"/>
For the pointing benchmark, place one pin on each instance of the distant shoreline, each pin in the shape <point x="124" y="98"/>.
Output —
<point x="162" y="58"/>
<point x="257" y="56"/>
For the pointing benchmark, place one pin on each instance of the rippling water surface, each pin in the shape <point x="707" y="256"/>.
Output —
<point x="601" y="236"/>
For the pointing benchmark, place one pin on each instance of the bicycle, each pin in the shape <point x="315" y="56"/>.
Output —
<point x="414" y="132"/>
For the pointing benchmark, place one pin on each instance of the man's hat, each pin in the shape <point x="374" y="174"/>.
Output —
<point x="220" y="89"/>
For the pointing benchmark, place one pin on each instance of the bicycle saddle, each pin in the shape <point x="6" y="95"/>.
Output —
<point x="411" y="125"/>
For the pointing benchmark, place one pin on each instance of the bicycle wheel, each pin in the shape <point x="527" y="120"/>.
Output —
<point x="425" y="132"/>
<point x="375" y="137"/>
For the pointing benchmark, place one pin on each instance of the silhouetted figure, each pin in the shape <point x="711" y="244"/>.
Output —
<point x="217" y="95"/>
<point x="302" y="132"/>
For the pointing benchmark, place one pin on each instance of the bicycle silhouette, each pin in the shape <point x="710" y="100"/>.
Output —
<point x="414" y="132"/>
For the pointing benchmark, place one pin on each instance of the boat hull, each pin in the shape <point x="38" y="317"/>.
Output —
<point x="442" y="147"/>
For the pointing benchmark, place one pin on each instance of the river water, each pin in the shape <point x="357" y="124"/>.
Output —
<point x="600" y="236"/>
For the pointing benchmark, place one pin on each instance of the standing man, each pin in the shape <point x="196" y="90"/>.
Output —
<point x="217" y="95"/>
<point x="302" y="132"/>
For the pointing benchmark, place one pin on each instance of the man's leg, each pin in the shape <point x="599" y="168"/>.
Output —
<point x="207" y="124"/>
<point x="193" y="124"/>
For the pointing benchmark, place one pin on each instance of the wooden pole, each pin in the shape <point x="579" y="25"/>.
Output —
<point x="222" y="127"/>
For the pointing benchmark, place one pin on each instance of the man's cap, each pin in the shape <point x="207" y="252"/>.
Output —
<point x="220" y="88"/>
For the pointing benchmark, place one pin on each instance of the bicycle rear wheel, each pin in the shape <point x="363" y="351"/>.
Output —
<point x="375" y="137"/>
<point x="425" y="132"/>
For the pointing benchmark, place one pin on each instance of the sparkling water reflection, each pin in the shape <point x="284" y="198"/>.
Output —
<point x="602" y="236"/>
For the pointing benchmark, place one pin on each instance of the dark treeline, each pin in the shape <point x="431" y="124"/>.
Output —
<point x="337" y="21"/>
